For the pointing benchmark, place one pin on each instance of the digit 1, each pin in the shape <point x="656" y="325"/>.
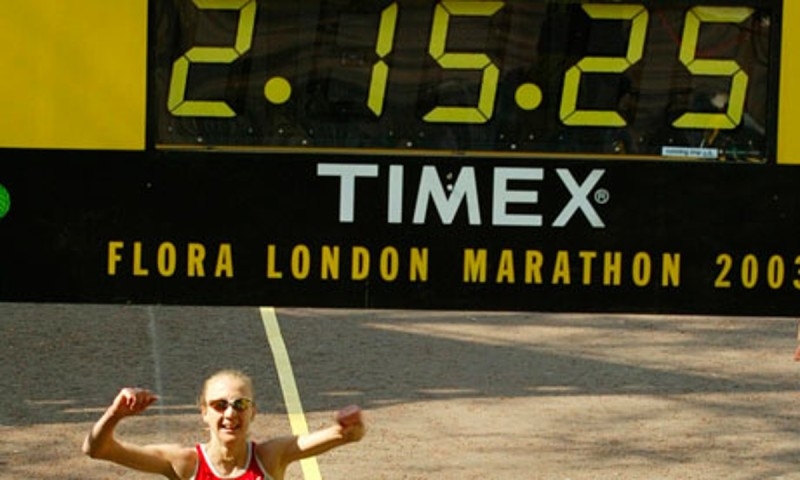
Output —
<point x="380" y="71"/>
<point x="569" y="112"/>
<point x="177" y="104"/>
<point x="730" y="68"/>
<point x="464" y="61"/>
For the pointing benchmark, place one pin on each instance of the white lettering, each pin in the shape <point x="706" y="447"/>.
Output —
<point x="347" y="174"/>
<point x="503" y="196"/>
<point x="580" y="198"/>
<point x="430" y="186"/>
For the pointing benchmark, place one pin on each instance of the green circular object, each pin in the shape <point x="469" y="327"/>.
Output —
<point x="5" y="201"/>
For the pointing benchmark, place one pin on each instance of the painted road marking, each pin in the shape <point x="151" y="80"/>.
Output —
<point x="291" y="395"/>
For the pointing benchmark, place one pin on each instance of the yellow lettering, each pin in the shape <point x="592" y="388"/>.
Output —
<point x="224" y="261"/>
<point x="272" y="273"/>
<point x="301" y="262"/>
<point x="138" y="269"/>
<point x="195" y="255"/>
<point x="166" y="259"/>
<point x="505" y="270"/>
<point x="587" y="257"/>
<point x="330" y="262"/>
<point x="474" y="265"/>
<point x="360" y="263"/>
<point x="612" y="268"/>
<point x="796" y="281"/>
<point x="328" y="259"/>
<point x="641" y="269"/>
<point x="561" y="272"/>
<point x="114" y="257"/>
<point x="671" y="270"/>
<point x="389" y="264"/>
<point x="533" y="266"/>
<point x="419" y="265"/>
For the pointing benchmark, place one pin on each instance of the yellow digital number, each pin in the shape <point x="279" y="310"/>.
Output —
<point x="724" y="68"/>
<point x="177" y="103"/>
<point x="464" y="61"/>
<point x="380" y="71"/>
<point x="569" y="112"/>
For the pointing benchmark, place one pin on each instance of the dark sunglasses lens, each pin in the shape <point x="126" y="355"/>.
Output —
<point x="239" y="405"/>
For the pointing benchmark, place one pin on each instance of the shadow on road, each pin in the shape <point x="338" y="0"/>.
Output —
<point x="64" y="363"/>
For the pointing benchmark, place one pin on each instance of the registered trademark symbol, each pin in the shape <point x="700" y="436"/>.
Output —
<point x="601" y="196"/>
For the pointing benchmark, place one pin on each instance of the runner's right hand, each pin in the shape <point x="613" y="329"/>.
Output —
<point x="131" y="401"/>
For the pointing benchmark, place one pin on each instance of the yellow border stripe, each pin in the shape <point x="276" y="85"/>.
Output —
<point x="291" y="395"/>
<point x="789" y="96"/>
<point x="74" y="74"/>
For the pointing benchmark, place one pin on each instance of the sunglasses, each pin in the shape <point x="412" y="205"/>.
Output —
<point x="240" y="404"/>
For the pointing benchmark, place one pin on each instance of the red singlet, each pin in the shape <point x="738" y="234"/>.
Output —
<point x="255" y="471"/>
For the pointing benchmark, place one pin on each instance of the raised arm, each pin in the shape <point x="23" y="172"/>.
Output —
<point x="278" y="453"/>
<point x="101" y="443"/>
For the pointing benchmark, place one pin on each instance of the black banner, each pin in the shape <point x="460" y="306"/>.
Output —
<point x="325" y="230"/>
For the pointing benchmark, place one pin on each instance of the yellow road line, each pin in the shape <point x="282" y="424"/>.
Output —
<point x="291" y="395"/>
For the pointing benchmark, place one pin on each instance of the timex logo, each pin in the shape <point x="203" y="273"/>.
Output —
<point x="514" y="194"/>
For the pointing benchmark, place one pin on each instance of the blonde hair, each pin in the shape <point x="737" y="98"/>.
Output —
<point x="229" y="373"/>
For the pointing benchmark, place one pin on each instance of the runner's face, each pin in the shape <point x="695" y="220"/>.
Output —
<point x="230" y="420"/>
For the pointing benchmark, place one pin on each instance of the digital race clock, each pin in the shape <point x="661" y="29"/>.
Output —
<point x="528" y="78"/>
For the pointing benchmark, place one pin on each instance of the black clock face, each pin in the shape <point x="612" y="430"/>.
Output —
<point x="520" y="77"/>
